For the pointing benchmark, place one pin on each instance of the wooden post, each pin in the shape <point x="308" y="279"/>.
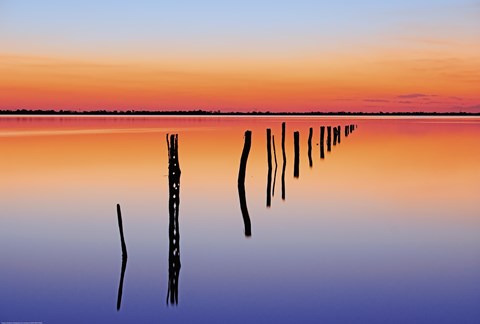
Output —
<point x="269" y="162"/>
<point x="241" y="183"/>
<point x="329" y="138"/>
<point x="335" y="130"/>
<point x="174" y="263"/>
<point x="284" y="161"/>
<point x="339" y="133"/>
<point x="322" y="136"/>
<point x="120" y="227"/>
<point x="296" y="166"/>
<point x="310" y="135"/>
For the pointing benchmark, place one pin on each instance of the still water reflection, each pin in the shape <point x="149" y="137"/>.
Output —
<point x="380" y="226"/>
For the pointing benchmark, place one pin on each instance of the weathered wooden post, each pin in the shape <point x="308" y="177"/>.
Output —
<point x="296" y="166"/>
<point x="335" y="130"/>
<point x="174" y="263"/>
<point x="269" y="162"/>
<point x="339" y="133"/>
<point x="120" y="227"/>
<point x="322" y="136"/>
<point x="284" y="161"/>
<point x="310" y="135"/>
<point x="241" y="183"/>
<point x="329" y="138"/>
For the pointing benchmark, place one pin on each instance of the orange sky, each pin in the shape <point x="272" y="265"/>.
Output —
<point x="405" y="56"/>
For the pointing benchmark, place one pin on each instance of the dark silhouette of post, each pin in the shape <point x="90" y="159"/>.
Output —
<point x="310" y="134"/>
<point x="346" y="130"/>
<point x="120" y="284"/>
<point x="269" y="162"/>
<point x="296" y="165"/>
<point x="124" y="258"/>
<point x="276" y="165"/>
<point x="335" y="130"/>
<point x="339" y="133"/>
<point x="329" y="138"/>
<point x="322" y="137"/>
<point x="120" y="227"/>
<point x="284" y="161"/>
<point x="241" y="183"/>
<point x="174" y="263"/>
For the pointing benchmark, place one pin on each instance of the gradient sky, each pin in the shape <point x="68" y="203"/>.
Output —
<point x="241" y="55"/>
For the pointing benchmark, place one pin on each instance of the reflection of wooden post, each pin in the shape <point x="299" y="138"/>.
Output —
<point x="322" y="136"/>
<point x="241" y="182"/>
<point x="120" y="284"/>
<point x="174" y="264"/>
<point x="346" y="130"/>
<point x="310" y="134"/>
<point x="296" y="166"/>
<point x="335" y="136"/>
<point x="284" y="161"/>
<point x="120" y="227"/>
<point x="329" y="138"/>
<point x="269" y="161"/>
<point x="124" y="258"/>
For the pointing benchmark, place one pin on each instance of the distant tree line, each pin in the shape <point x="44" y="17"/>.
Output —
<point x="200" y="112"/>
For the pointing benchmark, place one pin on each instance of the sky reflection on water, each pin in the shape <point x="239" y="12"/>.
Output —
<point x="383" y="229"/>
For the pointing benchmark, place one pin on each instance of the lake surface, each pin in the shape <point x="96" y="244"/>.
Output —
<point x="384" y="229"/>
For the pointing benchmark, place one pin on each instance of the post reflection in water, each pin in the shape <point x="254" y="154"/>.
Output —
<point x="120" y="284"/>
<point x="269" y="162"/>
<point x="241" y="183"/>
<point x="173" y="228"/>
<point x="284" y="161"/>
<point x="276" y="165"/>
<point x="124" y="258"/>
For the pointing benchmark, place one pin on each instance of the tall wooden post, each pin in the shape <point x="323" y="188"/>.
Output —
<point x="296" y="166"/>
<point x="241" y="183"/>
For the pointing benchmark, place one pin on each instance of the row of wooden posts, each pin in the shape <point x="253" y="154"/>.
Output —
<point x="336" y="130"/>
<point x="174" y="192"/>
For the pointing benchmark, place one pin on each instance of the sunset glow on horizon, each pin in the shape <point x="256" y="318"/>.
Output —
<point x="242" y="56"/>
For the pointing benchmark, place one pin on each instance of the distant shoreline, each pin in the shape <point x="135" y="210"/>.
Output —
<point x="21" y="112"/>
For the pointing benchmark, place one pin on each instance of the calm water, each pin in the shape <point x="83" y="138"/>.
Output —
<point x="384" y="229"/>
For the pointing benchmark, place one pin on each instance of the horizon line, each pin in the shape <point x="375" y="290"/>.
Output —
<point x="197" y="112"/>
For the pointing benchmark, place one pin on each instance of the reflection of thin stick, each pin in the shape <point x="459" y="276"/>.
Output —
<point x="284" y="161"/>
<point x="275" y="172"/>
<point x="120" y="284"/>
<point x="241" y="183"/>
<point x="124" y="257"/>
<point x="269" y="160"/>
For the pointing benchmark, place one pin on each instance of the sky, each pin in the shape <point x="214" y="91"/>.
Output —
<point x="411" y="55"/>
